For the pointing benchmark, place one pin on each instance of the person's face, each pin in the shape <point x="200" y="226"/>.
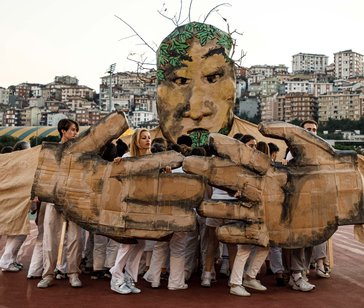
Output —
<point x="199" y="95"/>
<point x="70" y="133"/>
<point x="144" y="141"/>
<point x="311" y="127"/>
<point x="273" y="156"/>
<point x="252" y="143"/>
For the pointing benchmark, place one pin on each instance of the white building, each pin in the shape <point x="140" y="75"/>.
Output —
<point x="140" y="116"/>
<point x="295" y="86"/>
<point x="308" y="62"/>
<point x="260" y="72"/>
<point x="4" y="96"/>
<point x="54" y="118"/>
<point x="348" y="64"/>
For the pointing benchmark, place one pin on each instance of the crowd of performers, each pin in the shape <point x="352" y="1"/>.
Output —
<point x="184" y="255"/>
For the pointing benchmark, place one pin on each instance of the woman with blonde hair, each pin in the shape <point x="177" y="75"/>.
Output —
<point x="125" y="271"/>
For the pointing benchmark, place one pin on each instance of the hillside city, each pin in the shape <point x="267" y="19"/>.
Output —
<point x="314" y="89"/>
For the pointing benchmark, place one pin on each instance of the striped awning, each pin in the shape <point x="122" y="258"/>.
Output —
<point x="27" y="132"/>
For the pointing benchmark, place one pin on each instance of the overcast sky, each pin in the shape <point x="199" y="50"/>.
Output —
<point x="40" y="39"/>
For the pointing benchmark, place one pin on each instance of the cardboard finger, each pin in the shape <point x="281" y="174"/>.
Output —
<point x="147" y="163"/>
<point x="306" y="148"/>
<point x="227" y="175"/>
<point x="244" y="233"/>
<point x="238" y="210"/>
<point x="97" y="136"/>
<point x="240" y="153"/>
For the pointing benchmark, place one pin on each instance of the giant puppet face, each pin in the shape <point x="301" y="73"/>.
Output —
<point x="196" y="82"/>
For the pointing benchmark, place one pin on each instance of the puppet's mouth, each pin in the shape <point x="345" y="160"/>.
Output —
<point x="198" y="131"/>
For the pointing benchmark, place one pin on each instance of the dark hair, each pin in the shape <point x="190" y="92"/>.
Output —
<point x="184" y="139"/>
<point x="21" y="145"/>
<point x="198" y="151"/>
<point x="157" y="147"/>
<point x="247" y="138"/>
<point x="6" y="149"/>
<point x="65" y="124"/>
<point x="273" y="147"/>
<point x="238" y="136"/>
<point x="175" y="147"/>
<point x="109" y="152"/>
<point x="263" y="147"/>
<point x="208" y="150"/>
<point x="121" y="148"/>
<point x="309" y="121"/>
<point x="159" y="140"/>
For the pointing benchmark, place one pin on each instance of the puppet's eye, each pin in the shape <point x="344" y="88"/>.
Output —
<point x="181" y="81"/>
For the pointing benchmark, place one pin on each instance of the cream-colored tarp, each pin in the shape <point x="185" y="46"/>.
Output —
<point x="17" y="171"/>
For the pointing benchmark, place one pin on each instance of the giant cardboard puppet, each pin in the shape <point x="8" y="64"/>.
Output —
<point x="294" y="206"/>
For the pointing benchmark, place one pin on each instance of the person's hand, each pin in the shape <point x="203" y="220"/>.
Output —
<point x="297" y="205"/>
<point x="123" y="199"/>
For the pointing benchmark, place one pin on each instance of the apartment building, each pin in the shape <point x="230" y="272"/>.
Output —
<point x="270" y="86"/>
<point x="348" y="64"/>
<point x="299" y="86"/>
<point x="68" y="91"/>
<point x="269" y="108"/>
<point x="300" y="106"/>
<point x="12" y="117"/>
<point x="86" y="117"/>
<point x="4" y="96"/>
<point x="140" y="116"/>
<point x="341" y="106"/>
<point x="257" y="73"/>
<point x="309" y="63"/>
<point x="30" y="116"/>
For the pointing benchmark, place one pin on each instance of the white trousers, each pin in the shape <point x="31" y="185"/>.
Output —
<point x="36" y="262"/>
<point x="319" y="251"/>
<point x="12" y="246"/>
<point x="177" y="246"/>
<point x="53" y="222"/>
<point x="275" y="259"/>
<point x="257" y="256"/>
<point x="104" y="252"/>
<point x="128" y="257"/>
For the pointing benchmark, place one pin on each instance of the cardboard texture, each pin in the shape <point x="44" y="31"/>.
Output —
<point x="297" y="205"/>
<point x="119" y="200"/>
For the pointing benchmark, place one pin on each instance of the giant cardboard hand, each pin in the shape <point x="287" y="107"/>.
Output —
<point x="120" y="200"/>
<point x="297" y="205"/>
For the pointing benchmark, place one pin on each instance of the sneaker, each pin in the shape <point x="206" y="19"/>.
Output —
<point x="322" y="273"/>
<point x="280" y="282"/>
<point x="12" y="268"/>
<point x="87" y="270"/>
<point x="60" y="275"/>
<point x="98" y="275"/>
<point x="206" y="279"/>
<point x="18" y="265"/>
<point x="254" y="284"/>
<point x="301" y="285"/>
<point x="238" y="290"/>
<point x="131" y="284"/>
<point x="45" y="283"/>
<point x="33" y="277"/>
<point x="327" y="268"/>
<point x="119" y="286"/>
<point x="184" y="287"/>
<point x="164" y="276"/>
<point x="107" y="273"/>
<point x="74" y="281"/>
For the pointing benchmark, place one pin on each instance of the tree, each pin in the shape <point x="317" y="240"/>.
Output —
<point x="8" y="141"/>
<point x="38" y="140"/>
